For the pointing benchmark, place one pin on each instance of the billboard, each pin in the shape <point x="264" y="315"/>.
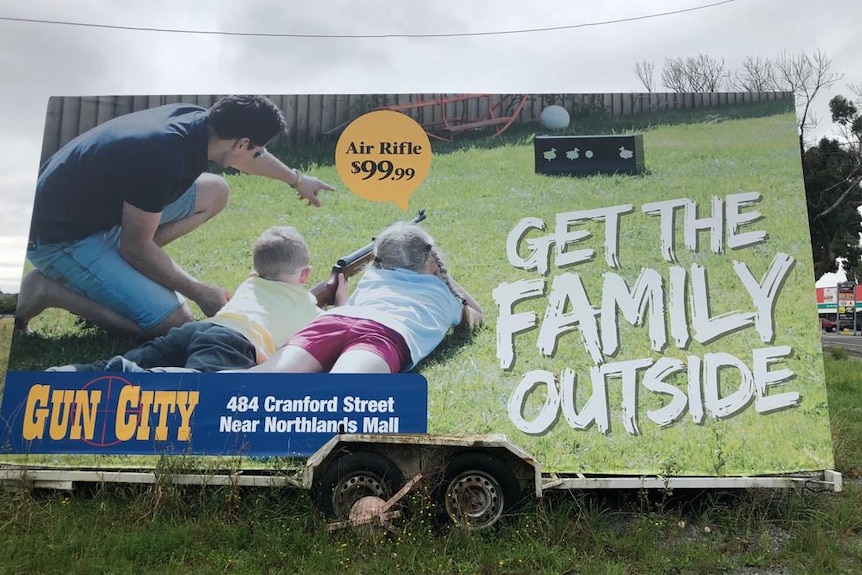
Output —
<point x="644" y="320"/>
<point x="827" y="298"/>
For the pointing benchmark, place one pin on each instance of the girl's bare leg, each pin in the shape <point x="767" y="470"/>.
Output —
<point x="290" y="359"/>
<point x="360" y="361"/>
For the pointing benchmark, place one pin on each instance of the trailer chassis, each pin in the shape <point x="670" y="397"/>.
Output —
<point x="475" y="479"/>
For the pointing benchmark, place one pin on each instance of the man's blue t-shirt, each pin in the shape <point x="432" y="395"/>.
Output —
<point x="147" y="158"/>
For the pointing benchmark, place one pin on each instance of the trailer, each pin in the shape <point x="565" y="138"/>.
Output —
<point x="643" y="287"/>
<point x="474" y="480"/>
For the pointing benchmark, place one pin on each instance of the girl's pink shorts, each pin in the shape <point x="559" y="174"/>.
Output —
<point x="329" y="336"/>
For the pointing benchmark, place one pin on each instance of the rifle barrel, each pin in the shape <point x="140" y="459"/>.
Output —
<point x="365" y="250"/>
<point x="357" y="255"/>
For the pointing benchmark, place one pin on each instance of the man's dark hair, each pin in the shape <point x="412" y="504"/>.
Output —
<point x="254" y="117"/>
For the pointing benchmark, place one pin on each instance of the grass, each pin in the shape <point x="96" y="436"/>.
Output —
<point x="170" y="529"/>
<point x="477" y="190"/>
<point x="7" y="326"/>
<point x="845" y="411"/>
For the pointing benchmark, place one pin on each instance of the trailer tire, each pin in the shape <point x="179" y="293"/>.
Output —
<point x="477" y="489"/>
<point x="353" y="476"/>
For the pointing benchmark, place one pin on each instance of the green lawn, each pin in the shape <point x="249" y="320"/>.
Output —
<point x="169" y="529"/>
<point x="477" y="190"/>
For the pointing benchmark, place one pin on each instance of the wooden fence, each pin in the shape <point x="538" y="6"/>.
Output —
<point x="312" y="118"/>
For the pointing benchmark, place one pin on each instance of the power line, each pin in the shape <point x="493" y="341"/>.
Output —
<point x="366" y="36"/>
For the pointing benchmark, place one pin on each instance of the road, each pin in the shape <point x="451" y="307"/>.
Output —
<point x="852" y="344"/>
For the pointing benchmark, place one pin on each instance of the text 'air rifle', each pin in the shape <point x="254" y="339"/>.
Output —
<point x="348" y="265"/>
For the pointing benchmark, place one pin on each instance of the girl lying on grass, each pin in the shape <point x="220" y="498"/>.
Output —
<point x="400" y="311"/>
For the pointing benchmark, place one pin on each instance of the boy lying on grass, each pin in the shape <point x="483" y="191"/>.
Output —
<point x="400" y="311"/>
<point x="267" y="309"/>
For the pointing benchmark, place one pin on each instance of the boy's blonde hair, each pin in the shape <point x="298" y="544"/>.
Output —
<point x="407" y="246"/>
<point x="280" y="250"/>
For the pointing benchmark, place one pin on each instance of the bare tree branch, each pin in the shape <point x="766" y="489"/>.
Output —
<point x="755" y="75"/>
<point x="673" y="75"/>
<point x="805" y="75"/>
<point x="644" y="71"/>
<point x="701" y="73"/>
<point x="838" y="203"/>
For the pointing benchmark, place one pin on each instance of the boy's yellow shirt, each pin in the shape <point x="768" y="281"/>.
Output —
<point x="268" y="313"/>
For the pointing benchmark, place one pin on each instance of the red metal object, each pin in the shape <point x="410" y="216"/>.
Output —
<point x="373" y="511"/>
<point x="451" y="113"/>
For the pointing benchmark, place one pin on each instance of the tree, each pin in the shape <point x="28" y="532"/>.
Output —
<point x="755" y="74"/>
<point x="707" y="73"/>
<point x="8" y="303"/>
<point x="673" y="75"/>
<point x="846" y="115"/>
<point x="701" y="73"/>
<point x="645" y="71"/>
<point x="805" y="75"/>
<point x="832" y="190"/>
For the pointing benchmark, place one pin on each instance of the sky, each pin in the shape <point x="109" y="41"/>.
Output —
<point x="448" y="46"/>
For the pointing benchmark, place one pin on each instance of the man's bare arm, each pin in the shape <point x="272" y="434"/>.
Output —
<point x="137" y="246"/>
<point x="268" y="166"/>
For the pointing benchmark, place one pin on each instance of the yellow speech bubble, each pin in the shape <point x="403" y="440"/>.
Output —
<point x="383" y="156"/>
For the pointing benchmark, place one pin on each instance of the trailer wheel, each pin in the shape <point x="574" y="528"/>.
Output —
<point x="352" y="477"/>
<point x="477" y="489"/>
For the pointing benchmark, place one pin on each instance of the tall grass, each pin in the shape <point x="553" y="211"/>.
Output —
<point x="7" y="325"/>
<point x="845" y="412"/>
<point x="223" y="530"/>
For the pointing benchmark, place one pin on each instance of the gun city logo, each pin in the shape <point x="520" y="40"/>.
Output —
<point x="106" y="411"/>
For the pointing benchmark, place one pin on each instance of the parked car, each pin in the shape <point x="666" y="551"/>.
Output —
<point x="828" y="325"/>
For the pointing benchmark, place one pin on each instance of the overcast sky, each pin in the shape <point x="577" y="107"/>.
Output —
<point x="38" y="60"/>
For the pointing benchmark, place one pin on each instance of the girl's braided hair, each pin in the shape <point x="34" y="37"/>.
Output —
<point x="407" y="246"/>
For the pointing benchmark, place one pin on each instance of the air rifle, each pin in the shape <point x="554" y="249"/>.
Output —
<point x="349" y="265"/>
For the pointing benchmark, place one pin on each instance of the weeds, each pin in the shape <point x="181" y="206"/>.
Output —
<point x="837" y="353"/>
<point x="255" y="530"/>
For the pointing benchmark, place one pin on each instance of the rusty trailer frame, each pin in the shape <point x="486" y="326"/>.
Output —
<point x="412" y="453"/>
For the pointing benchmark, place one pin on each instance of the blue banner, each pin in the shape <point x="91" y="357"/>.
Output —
<point x="252" y="414"/>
